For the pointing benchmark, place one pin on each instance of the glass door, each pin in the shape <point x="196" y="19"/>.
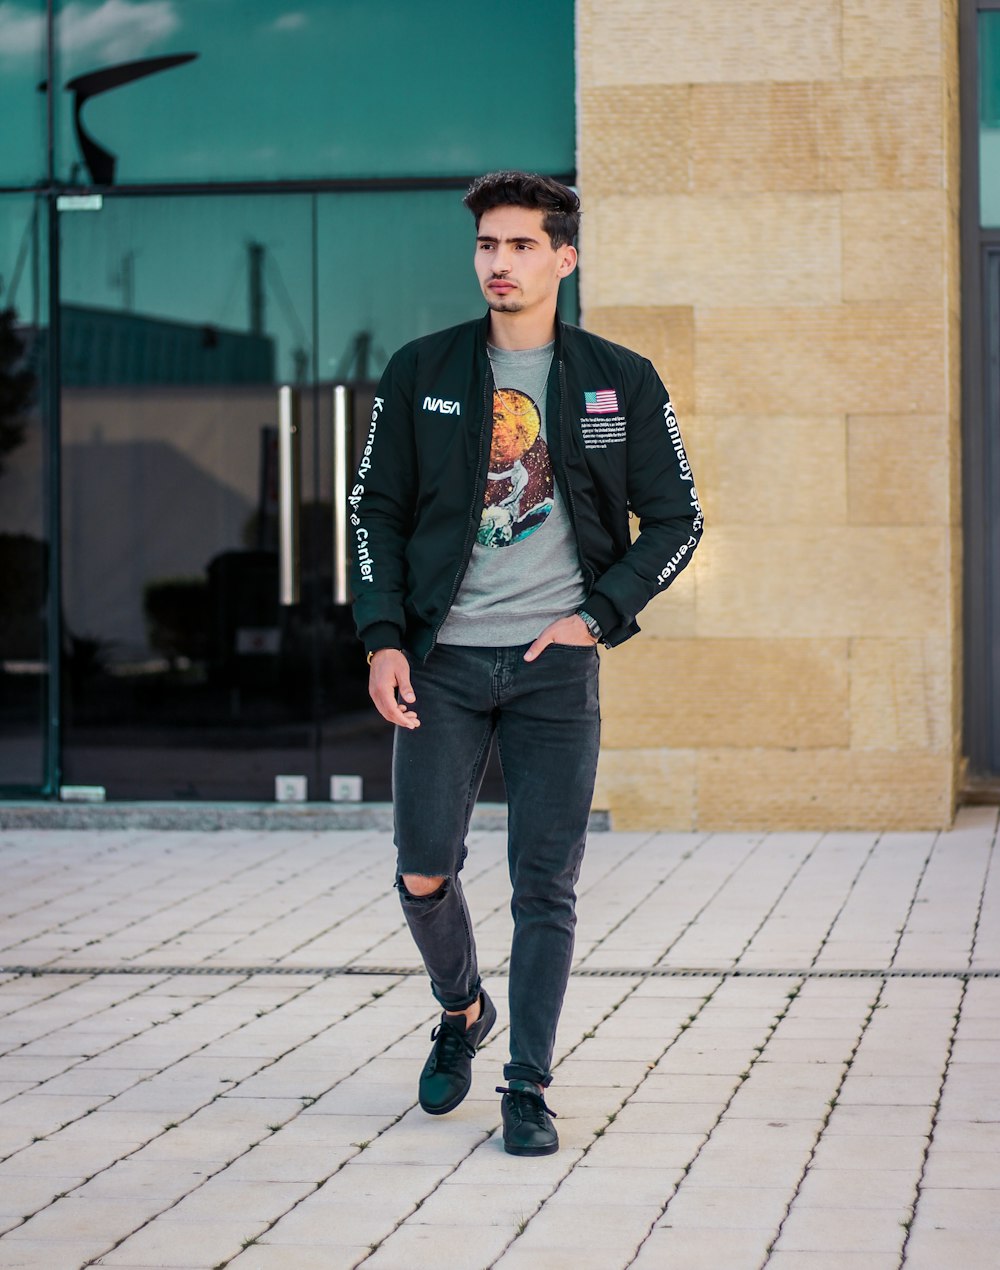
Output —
<point x="205" y="646"/>
<point x="26" y="637"/>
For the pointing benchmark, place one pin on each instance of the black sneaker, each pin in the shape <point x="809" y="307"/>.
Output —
<point x="447" y="1074"/>
<point x="527" y="1129"/>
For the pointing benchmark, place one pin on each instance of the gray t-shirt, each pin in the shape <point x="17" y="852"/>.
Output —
<point x="524" y="571"/>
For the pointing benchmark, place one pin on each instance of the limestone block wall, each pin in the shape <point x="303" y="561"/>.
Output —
<point x="770" y="193"/>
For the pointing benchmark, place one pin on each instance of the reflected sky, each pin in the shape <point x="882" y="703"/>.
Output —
<point x="303" y="88"/>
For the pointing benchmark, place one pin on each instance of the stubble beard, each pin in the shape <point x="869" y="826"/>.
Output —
<point x="504" y="306"/>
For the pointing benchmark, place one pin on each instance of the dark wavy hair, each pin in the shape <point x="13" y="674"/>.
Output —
<point x="527" y="189"/>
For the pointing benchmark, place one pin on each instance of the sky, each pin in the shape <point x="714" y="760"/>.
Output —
<point x="298" y="88"/>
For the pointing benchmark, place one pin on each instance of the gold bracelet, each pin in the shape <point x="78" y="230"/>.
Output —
<point x="379" y="650"/>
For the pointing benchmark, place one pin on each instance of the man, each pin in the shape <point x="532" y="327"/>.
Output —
<point x="491" y="523"/>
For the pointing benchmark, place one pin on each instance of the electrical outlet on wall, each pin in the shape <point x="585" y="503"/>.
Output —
<point x="345" y="789"/>
<point x="291" y="789"/>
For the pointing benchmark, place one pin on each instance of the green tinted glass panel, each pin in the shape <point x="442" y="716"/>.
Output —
<point x="392" y="268"/>
<point x="989" y="119"/>
<point x="278" y="89"/>
<point x="22" y="105"/>
<point x="160" y="290"/>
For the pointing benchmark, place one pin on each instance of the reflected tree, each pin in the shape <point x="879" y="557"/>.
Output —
<point x="17" y="386"/>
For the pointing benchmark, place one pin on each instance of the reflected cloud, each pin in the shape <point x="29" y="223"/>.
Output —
<point x="117" y="30"/>
<point x="289" y="22"/>
<point x="20" y="32"/>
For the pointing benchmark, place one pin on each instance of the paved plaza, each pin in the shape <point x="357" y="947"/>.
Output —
<point x="778" y="1050"/>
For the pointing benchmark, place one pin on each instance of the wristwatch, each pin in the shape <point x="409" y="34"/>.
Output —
<point x="591" y="623"/>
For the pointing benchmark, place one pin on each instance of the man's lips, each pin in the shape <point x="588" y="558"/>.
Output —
<point x="500" y="284"/>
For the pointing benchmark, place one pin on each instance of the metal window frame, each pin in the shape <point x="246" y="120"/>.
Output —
<point x="980" y="449"/>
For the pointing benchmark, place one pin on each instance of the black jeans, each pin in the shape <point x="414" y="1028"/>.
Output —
<point x="547" y="722"/>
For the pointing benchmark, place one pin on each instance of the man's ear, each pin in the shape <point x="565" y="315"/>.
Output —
<point x="567" y="260"/>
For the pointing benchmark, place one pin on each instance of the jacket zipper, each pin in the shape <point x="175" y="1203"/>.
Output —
<point x="473" y="519"/>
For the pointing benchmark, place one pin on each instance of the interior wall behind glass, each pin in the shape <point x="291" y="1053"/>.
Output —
<point x="317" y="88"/>
<point x="24" y="539"/>
<point x="22" y="105"/>
<point x="989" y="119"/>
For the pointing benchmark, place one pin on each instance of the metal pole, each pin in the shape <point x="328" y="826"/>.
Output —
<point x="341" y="432"/>
<point x="289" y="490"/>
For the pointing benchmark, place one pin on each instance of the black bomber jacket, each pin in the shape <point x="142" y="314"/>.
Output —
<point x="418" y="495"/>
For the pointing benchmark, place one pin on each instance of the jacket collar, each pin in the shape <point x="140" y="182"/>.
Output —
<point x="484" y="331"/>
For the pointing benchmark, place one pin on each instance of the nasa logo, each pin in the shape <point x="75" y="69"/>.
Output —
<point x="441" y="406"/>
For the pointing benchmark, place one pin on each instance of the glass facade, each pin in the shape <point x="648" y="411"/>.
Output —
<point x="239" y="90"/>
<point x="238" y="243"/>
<point x="23" y="69"/>
<point x="989" y="119"/>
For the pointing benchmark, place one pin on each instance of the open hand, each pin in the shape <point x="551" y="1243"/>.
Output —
<point x="390" y="688"/>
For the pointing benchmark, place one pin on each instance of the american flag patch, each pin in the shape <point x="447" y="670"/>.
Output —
<point x="602" y="402"/>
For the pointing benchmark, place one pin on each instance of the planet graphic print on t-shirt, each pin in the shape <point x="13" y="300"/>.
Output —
<point x="519" y="486"/>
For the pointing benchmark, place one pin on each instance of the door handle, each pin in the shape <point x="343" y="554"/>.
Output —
<point x="289" y="496"/>
<point x="341" y="437"/>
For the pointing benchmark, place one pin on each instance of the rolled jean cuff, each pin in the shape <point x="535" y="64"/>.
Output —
<point x="517" y="1071"/>
<point x="453" y="1008"/>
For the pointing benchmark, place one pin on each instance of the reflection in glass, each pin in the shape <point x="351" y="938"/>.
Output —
<point x="180" y="318"/>
<point x="24" y="548"/>
<point x="316" y="90"/>
<point x="989" y="119"/>
<point x="22" y="106"/>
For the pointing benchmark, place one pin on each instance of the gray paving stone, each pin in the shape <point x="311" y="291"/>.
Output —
<point x="934" y="1249"/>
<point x="298" y="1257"/>
<point x="964" y="1210"/>
<point x="242" y="898"/>
<point x="698" y="1249"/>
<point x="727" y="1208"/>
<point x="843" y="1229"/>
<point x="799" y="1260"/>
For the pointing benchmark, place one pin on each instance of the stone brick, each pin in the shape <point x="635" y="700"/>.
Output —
<point x="647" y="789"/>
<point x="726" y="692"/>
<point x="892" y="245"/>
<point x="791" y="582"/>
<point x="869" y="358"/>
<point x="900" y="694"/>
<point x="823" y="789"/>
<point x="883" y="134"/>
<point x="767" y="470"/>
<point x="891" y="38"/>
<point x="638" y="140"/>
<point x="754" y="137"/>
<point x="768" y="249"/>
<point x="898" y="470"/>
<point x="674" y="41"/>
<point x="664" y="334"/>
<point x="673" y="614"/>
<point x="865" y="135"/>
<point x="772" y="197"/>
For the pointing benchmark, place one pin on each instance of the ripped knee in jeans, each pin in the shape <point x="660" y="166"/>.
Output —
<point x="437" y="888"/>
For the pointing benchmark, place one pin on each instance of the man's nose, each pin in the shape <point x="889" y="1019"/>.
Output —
<point x="501" y="262"/>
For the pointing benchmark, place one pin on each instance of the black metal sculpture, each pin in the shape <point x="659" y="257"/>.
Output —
<point x="100" y="162"/>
